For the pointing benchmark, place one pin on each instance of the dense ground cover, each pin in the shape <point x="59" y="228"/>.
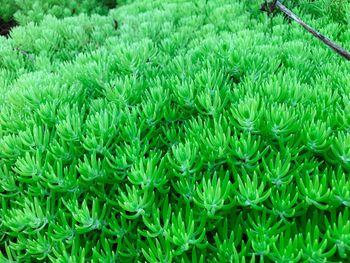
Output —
<point x="174" y="131"/>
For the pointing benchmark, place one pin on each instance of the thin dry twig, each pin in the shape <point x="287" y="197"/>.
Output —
<point x="338" y="49"/>
<point x="25" y="53"/>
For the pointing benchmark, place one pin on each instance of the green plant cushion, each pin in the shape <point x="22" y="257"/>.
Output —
<point x="174" y="131"/>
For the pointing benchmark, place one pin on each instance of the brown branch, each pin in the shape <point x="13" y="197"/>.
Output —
<point x="268" y="7"/>
<point x="341" y="51"/>
<point x="25" y="53"/>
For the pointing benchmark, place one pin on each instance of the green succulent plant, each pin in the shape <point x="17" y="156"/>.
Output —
<point x="173" y="131"/>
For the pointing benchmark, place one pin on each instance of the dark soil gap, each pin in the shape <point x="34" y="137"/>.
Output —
<point x="111" y="4"/>
<point x="5" y="27"/>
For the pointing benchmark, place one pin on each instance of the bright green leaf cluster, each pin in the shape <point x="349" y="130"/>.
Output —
<point x="194" y="131"/>
<point x="25" y="12"/>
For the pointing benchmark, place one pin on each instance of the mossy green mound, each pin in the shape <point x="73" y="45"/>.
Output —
<point x="35" y="10"/>
<point x="174" y="131"/>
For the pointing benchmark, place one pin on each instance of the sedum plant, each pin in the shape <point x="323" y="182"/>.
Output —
<point x="35" y="10"/>
<point x="173" y="131"/>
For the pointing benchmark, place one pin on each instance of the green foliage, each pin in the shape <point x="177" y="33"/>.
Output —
<point x="337" y="10"/>
<point x="35" y="10"/>
<point x="173" y="131"/>
<point x="7" y="10"/>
